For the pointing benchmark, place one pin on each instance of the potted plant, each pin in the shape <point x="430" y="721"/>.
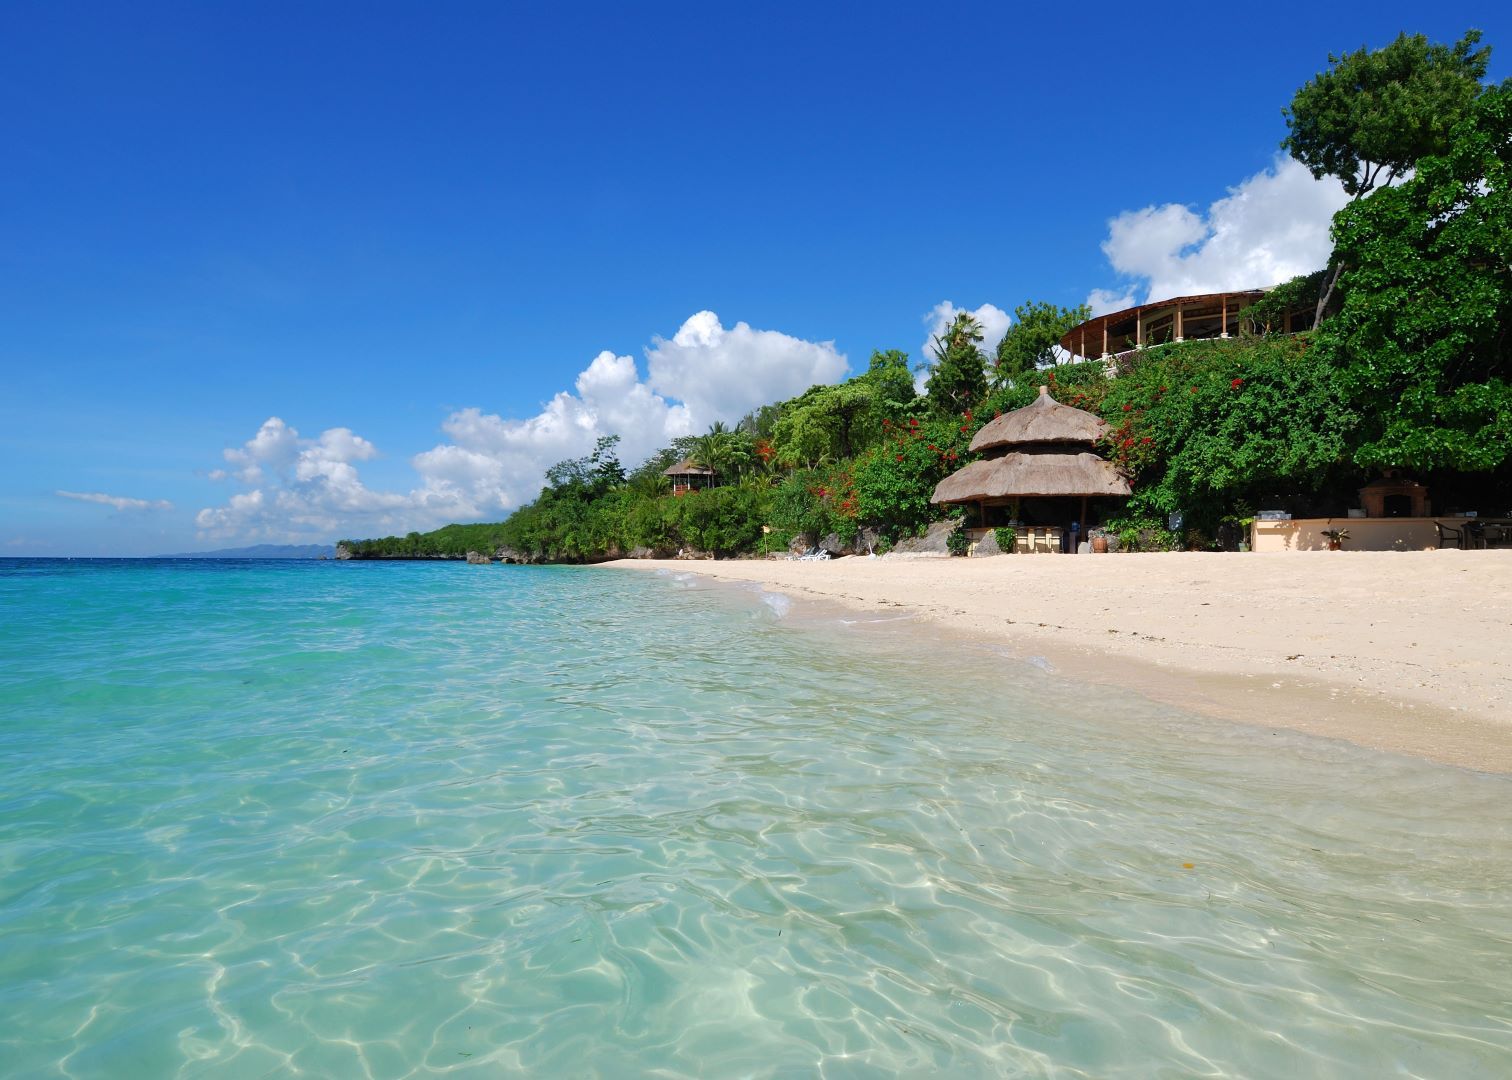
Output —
<point x="1336" y="538"/>
<point x="1247" y="525"/>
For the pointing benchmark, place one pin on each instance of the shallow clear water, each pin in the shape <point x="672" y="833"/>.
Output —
<point x="409" y="819"/>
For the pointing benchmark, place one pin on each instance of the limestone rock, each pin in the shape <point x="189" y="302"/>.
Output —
<point x="833" y="546"/>
<point x="987" y="546"/>
<point x="934" y="542"/>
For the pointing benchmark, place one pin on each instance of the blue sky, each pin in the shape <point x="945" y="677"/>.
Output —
<point x="404" y="230"/>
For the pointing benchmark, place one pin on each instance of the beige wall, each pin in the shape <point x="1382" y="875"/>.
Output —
<point x="1365" y="534"/>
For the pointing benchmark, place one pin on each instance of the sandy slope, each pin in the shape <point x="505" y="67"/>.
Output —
<point x="1405" y="651"/>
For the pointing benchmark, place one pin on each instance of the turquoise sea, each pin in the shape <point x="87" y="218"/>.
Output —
<point x="391" y="820"/>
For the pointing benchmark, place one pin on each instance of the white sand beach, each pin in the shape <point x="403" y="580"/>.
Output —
<point x="1403" y="651"/>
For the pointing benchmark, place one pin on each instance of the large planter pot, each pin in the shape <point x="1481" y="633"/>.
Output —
<point x="1335" y="545"/>
<point x="1099" y="545"/>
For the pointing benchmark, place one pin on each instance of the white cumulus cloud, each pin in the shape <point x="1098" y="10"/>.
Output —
<point x="1270" y="228"/>
<point x="994" y="321"/>
<point x="719" y="373"/>
<point x="118" y="502"/>
<point x="302" y="488"/>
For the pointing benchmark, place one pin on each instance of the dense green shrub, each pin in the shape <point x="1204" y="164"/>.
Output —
<point x="722" y="521"/>
<point x="958" y="543"/>
<point x="894" y="481"/>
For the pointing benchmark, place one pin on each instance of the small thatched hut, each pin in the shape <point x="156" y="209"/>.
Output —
<point x="1042" y="451"/>
<point x="687" y="475"/>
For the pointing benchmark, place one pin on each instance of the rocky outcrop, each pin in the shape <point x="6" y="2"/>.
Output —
<point x="934" y="542"/>
<point x="832" y="546"/>
<point x="477" y="558"/>
<point x="988" y="545"/>
<point x="647" y="553"/>
<point x="344" y="552"/>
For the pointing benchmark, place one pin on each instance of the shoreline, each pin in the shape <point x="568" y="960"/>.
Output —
<point x="1406" y="652"/>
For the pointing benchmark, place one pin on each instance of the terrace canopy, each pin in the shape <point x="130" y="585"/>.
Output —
<point x="1181" y="318"/>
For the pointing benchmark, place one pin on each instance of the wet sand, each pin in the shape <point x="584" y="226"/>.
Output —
<point x="1402" y="651"/>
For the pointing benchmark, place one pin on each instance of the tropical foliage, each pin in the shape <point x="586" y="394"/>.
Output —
<point x="1421" y="340"/>
<point x="1032" y="338"/>
<point x="959" y="377"/>
<point x="1407" y="366"/>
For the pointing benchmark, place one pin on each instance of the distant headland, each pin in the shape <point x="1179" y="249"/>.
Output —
<point x="262" y="551"/>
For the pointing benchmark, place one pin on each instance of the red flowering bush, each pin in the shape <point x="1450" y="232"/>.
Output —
<point x="894" y="482"/>
<point x="1259" y="419"/>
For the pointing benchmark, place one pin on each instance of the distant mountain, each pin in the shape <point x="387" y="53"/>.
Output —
<point x="263" y="551"/>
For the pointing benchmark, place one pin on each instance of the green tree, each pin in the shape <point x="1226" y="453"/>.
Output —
<point x="722" y="520"/>
<point x="725" y="451"/>
<point x="1422" y="337"/>
<point x="1031" y="339"/>
<point x="894" y="481"/>
<point x="959" y="378"/>
<point x="889" y="377"/>
<point x="1375" y="113"/>
<point x="590" y="475"/>
<point x="648" y="480"/>
<point x="1213" y="427"/>
<point x="833" y="423"/>
<point x="1372" y="116"/>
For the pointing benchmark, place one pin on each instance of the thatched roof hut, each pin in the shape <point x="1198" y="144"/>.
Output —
<point x="1041" y="450"/>
<point x="1045" y="420"/>
<point x="687" y="467"/>
<point x="688" y="475"/>
<point x="1032" y="473"/>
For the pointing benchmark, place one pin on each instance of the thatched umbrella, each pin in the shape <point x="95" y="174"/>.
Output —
<point x="1043" y="449"/>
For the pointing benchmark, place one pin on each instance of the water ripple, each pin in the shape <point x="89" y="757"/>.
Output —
<point x="408" y="820"/>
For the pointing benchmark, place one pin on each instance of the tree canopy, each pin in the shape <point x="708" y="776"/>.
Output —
<point x="727" y="452"/>
<point x="959" y="378"/>
<point x="827" y="423"/>
<point x="1421" y="338"/>
<point x="1032" y="337"/>
<point x="1379" y="112"/>
<point x="590" y="475"/>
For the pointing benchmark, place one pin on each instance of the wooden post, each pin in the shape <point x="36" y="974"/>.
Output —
<point x="1083" y="532"/>
<point x="1179" y="326"/>
<point x="1139" y="329"/>
<point x="1105" y="336"/>
<point x="1084" y="343"/>
<point x="1223" y="327"/>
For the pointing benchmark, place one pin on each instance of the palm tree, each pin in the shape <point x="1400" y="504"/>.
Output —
<point x="724" y="451"/>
